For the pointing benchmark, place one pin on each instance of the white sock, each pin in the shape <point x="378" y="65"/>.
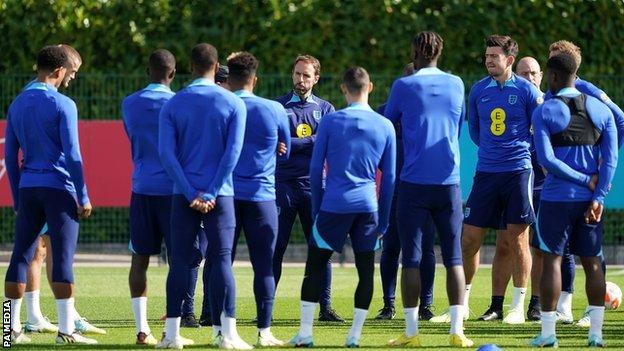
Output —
<point x="77" y="316"/>
<point x="139" y="307"/>
<point x="411" y="321"/>
<point x="264" y="332"/>
<point x="228" y="327"/>
<point x="16" y="309"/>
<point x="517" y="301"/>
<point x="33" y="308"/>
<point x="564" y="304"/>
<point x="359" y="316"/>
<point x="216" y="329"/>
<point x="596" y="317"/>
<point x="457" y="319"/>
<point x="172" y="328"/>
<point x="467" y="296"/>
<point x="65" y="310"/>
<point x="307" y="318"/>
<point x="549" y="320"/>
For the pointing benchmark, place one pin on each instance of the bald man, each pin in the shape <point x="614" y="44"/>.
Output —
<point x="529" y="69"/>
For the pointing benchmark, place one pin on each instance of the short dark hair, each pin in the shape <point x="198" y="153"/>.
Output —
<point x="222" y="74"/>
<point x="51" y="57"/>
<point x="563" y="64"/>
<point x="242" y="66"/>
<point x="509" y="46"/>
<point x="204" y="56"/>
<point x="356" y="80"/>
<point x="429" y="45"/>
<point x="161" y="62"/>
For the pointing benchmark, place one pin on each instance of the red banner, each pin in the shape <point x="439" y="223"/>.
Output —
<point x="106" y="159"/>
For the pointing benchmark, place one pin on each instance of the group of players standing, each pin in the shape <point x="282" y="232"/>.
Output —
<point x="212" y="162"/>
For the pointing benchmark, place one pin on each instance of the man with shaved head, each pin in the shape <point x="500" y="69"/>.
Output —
<point x="529" y="69"/>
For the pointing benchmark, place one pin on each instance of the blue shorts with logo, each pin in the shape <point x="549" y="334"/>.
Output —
<point x="563" y="223"/>
<point x="498" y="199"/>
<point x="330" y="231"/>
<point x="417" y="206"/>
<point x="150" y="223"/>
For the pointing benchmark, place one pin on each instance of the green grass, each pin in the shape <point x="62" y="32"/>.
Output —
<point x="103" y="298"/>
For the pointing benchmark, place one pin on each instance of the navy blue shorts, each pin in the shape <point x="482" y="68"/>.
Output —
<point x="330" y="231"/>
<point x="563" y="223"/>
<point x="150" y="223"/>
<point x="417" y="206"/>
<point x="537" y="195"/>
<point x="37" y="206"/>
<point x="498" y="199"/>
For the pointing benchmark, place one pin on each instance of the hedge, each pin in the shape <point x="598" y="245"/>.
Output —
<point x="116" y="36"/>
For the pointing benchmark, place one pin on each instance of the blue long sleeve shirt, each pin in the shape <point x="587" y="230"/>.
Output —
<point x="303" y="118"/>
<point x="499" y="120"/>
<point x="570" y="167"/>
<point x="355" y="142"/>
<point x="200" y="139"/>
<point x="430" y="107"/>
<point x="590" y="89"/>
<point x="140" y="112"/>
<point x="267" y="124"/>
<point x="43" y="123"/>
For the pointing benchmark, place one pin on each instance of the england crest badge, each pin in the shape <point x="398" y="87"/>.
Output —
<point x="316" y="115"/>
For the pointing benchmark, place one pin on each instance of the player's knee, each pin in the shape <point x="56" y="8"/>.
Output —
<point x="62" y="273"/>
<point x="40" y="255"/>
<point x="503" y="247"/>
<point x="410" y="261"/>
<point x="470" y="244"/>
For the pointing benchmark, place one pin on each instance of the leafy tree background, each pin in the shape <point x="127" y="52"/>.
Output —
<point x="115" y="36"/>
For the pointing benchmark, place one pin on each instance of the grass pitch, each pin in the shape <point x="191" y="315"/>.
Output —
<point x="103" y="298"/>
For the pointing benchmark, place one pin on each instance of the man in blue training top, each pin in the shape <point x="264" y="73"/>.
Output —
<point x="499" y="117"/>
<point x="150" y="204"/>
<point x="205" y="319"/>
<point x="35" y="321"/>
<point x="391" y="247"/>
<point x="201" y="134"/>
<point x="529" y="69"/>
<point x="305" y="111"/>
<point x="354" y="142"/>
<point x="254" y="185"/>
<point x="43" y="124"/>
<point x="564" y="305"/>
<point x="430" y="105"/>
<point x="576" y="141"/>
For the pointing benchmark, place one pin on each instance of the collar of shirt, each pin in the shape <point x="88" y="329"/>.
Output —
<point x="427" y="71"/>
<point x="40" y="86"/>
<point x="511" y="82"/>
<point x="358" y="106"/>
<point x="243" y="93"/>
<point x="158" y="87"/>
<point x="296" y="98"/>
<point x="201" y="81"/>
<point x="568" y="92"/>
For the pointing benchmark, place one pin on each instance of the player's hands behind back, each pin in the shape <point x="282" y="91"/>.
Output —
<point x="594" y="212"/>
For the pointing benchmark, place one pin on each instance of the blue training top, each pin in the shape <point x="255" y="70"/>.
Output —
<point x="140" y="113"/>
<point x="499" y="119"/>
<point x="430" y="107"/>
<point x="355" y="142"/>
<point x="200" y="139"/>
<point x="570" y="167"/>
<point x="43" y="123"/>
<point x="267" y="124"/>
<point x="304" y="118"/>
<point x="588" y="88"/>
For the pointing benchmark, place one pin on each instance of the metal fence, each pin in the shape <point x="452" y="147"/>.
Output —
<point x="99" y="97"/>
